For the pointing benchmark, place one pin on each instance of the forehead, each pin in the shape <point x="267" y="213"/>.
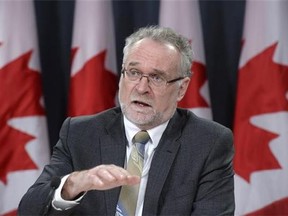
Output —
<point x="153" y="55"/>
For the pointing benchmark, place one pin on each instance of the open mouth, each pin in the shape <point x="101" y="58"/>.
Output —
<point x="141" y="104"/>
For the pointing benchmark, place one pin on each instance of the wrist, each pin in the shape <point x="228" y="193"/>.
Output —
<point x="71" y="189"/>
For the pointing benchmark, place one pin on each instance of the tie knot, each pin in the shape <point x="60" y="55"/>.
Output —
<point x="141" y="137"/>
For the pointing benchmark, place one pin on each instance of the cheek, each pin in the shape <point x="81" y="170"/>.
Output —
<point x="121" y="91"/>
<point x="166" y="99"/>
<point x="124" y="91"/>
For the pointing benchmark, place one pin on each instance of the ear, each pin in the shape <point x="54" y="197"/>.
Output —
<point x="183" y="88"/>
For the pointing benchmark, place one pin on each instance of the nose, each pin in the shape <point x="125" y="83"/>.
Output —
<point x="143" y="85"/>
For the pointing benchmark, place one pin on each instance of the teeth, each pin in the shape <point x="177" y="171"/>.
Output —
<point x="141" y="104"/>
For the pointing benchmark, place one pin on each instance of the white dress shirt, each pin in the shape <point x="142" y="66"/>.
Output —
<point x="130" y="130"/>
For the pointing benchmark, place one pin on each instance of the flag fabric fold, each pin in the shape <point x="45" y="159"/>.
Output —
<point x="93" y="83"/>
<point x="261" y="114"/>
<point x="24" y="143"/>
<point x="186" y="20"/>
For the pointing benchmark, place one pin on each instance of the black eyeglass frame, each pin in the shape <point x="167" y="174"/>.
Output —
<point x="147" y="76"/>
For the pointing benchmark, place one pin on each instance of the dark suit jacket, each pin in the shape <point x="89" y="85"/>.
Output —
<point x="191" y="172"/>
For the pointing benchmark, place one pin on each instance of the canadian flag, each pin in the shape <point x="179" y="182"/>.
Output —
<point x="184" y="17"/>
<point x="23" y="131"/>
<point x="261" y="117"/>
<point x="94" y="79"/>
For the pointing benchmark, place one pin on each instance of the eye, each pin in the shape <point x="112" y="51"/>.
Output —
<point x="156" y="78"/>
<point x="134" y="73"/>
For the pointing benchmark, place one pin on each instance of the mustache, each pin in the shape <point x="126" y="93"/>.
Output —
<point x="142" y="99"/>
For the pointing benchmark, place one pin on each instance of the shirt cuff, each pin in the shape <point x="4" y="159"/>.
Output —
<point x="59" y="203"/>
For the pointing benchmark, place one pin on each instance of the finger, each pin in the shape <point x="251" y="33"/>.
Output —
<point x="133" y="179"/>
<point x="110" y="176"/>
<point x="123" y="176"/>
<point x="107" y="177"/>
<point x="114" y="176"/>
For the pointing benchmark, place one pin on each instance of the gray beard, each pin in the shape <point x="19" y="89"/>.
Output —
<point x="145" y="123"/>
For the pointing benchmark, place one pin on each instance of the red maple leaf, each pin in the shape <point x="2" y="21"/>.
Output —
<point x="262" y="87"/>
<point x="11" y="213"/>
<point x="93" y="88"/>
<point x="19" y="96"/>
<point x="279" y="207"/>
<point x="192" y="97"/>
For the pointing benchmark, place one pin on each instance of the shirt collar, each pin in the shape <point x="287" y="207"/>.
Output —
<point x="154" y="133"/>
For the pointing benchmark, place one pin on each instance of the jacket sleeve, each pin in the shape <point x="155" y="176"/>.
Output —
<point x="35" y="199"/>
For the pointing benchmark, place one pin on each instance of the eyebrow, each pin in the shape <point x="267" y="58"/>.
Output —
<point x="133" y="63"/>
<point x="160" y="72"/>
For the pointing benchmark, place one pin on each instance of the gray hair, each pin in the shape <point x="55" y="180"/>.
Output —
<point x="164" y="35"/>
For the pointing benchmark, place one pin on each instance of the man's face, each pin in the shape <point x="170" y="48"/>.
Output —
<point x="143" y="103"/>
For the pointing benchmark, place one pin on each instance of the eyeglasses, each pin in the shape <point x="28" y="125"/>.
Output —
<point x="157" y="80"/>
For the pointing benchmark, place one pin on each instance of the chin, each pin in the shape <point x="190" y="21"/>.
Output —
<point x="145" y="121"/>
<point x="140" y="119"/>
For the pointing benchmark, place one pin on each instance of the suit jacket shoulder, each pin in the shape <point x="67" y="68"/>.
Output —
<point x="191" y="171"/>
<point x="101" y="120"/>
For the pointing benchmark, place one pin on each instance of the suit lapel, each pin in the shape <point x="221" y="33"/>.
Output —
<point x="113" y="151"/>
<point x="162" y="162"/>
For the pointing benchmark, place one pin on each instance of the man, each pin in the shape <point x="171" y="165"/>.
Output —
<point x="187" y="161"/>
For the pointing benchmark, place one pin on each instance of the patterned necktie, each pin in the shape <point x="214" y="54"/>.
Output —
<point x="129" y="194"/>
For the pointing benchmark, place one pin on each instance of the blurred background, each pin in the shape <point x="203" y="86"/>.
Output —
<point x="63" y="58"/>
